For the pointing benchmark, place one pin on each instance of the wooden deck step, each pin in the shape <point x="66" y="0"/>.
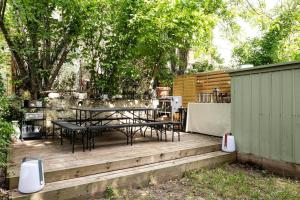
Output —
<point x="105" y="163"/>
<point x="95" y="185"/>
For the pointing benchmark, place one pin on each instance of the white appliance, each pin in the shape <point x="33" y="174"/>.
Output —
<point x="170" y="105"/>
<point x="228" y="143"/>
<point x="31" y="176"/>
<point x="176" y="103"/>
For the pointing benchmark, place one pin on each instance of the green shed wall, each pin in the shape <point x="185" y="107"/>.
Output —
<point x="266" y="111"/>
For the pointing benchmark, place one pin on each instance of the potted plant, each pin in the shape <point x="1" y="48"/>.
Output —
<point x="163" y="91"/>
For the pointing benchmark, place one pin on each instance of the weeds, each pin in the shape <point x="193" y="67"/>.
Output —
<point x="111" y="193"/>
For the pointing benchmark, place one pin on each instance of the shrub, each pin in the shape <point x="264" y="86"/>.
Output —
<point x="6" y="130"/>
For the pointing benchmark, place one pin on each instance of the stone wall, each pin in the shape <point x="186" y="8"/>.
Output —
<point x="60" y="108"/>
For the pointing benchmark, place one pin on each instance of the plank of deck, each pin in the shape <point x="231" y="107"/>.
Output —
<point x="60" y="163"/>
<point x="131" y="177"/>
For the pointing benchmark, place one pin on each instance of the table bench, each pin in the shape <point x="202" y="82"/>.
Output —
<point x="158" y="126"/>
<point x="72" y="129"/>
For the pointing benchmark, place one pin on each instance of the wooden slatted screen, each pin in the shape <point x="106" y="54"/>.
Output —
<point x="190" y="86"/>
<point x="207" y="81"/>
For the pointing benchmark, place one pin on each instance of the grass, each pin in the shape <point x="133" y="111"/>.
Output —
<point x="233" y="181"/>
<point x="111" y="193"/>
<point x="239" y="182"/>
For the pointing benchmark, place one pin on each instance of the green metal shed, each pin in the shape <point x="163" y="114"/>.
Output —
<point x="266" y="111"/>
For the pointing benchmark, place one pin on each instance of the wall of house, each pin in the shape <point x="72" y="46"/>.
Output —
<point x="266" y="111"/>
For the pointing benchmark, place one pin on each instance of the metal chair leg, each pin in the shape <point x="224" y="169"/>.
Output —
<point x="73" y="135"/>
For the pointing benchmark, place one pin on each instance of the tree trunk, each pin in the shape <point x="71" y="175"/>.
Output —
<point x="153" y="82"/>
<point x="183" y="60"/>
<point x="57" y="68"/>
<point x="173" y="60"/>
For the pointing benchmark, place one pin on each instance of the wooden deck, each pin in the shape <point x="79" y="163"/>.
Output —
<point x="110" y="148"/>
<point x="112" y="163"/>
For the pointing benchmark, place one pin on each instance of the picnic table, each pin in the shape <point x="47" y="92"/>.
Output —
<point x="90" y="115"/>
<point x="132" y="119"/>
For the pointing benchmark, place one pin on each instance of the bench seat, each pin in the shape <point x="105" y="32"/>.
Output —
<point x="72" y="129"/>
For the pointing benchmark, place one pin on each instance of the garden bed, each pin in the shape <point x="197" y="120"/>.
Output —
<point x="233" y="181"/>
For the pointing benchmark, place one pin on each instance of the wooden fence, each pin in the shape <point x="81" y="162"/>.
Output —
<point x="190" y="86"/>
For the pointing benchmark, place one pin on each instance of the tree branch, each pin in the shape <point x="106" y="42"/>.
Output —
<point x="2" y="8"/>
<point x="254" y="9"/>
<point x="60" y="48"/>
<point x="19" y="61"/>
<point x="57" y="68"/>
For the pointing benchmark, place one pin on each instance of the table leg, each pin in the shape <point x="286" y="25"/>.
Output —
<point x="76" y="118"/>
<point x="73" y="141"/>
<point x="172" y="132"/>
<point x="131" y="136"/>
<point x="82" y="138"/>
<point x="85" y="118"/>
<point x="70" y="133"/>
<point x="61" y="137"/>
<point x="139" y="115"/>
<point x="88" y="135"/>
<point x="165" y="132"/>
<point x="127" y="136"/>
<point x="80" y="117"/>
<point x="161" y="132"/>
<point x="53" y="131"/>
<point x="93" y="139"/>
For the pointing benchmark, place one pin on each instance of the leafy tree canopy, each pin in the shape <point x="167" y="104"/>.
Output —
<point x="135" y="40"/>
<point x="40" y="35"/>
<point x="280" y="38"/>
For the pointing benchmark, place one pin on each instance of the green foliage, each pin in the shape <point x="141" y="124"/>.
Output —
<point x="9" y="105"/>
<point x="40" y="35"/>
<point x="232" y="182"/>
<point x="66" y="83"/>
<point x="2" y="87"/>
<point x="165" y="77"/>
<point x="134" y="40"/>
<point x="111" y="193"/>
<point x="279" y="42"/>
<point x="5" y="133"/>
<point x="202" y="67"/>
<point x="121" y="43"/>
<point x="5" y="127"/>
<point x="5" y="56"/>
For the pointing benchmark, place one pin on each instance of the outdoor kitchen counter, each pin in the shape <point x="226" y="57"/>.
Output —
<point x="209" y="118"/>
